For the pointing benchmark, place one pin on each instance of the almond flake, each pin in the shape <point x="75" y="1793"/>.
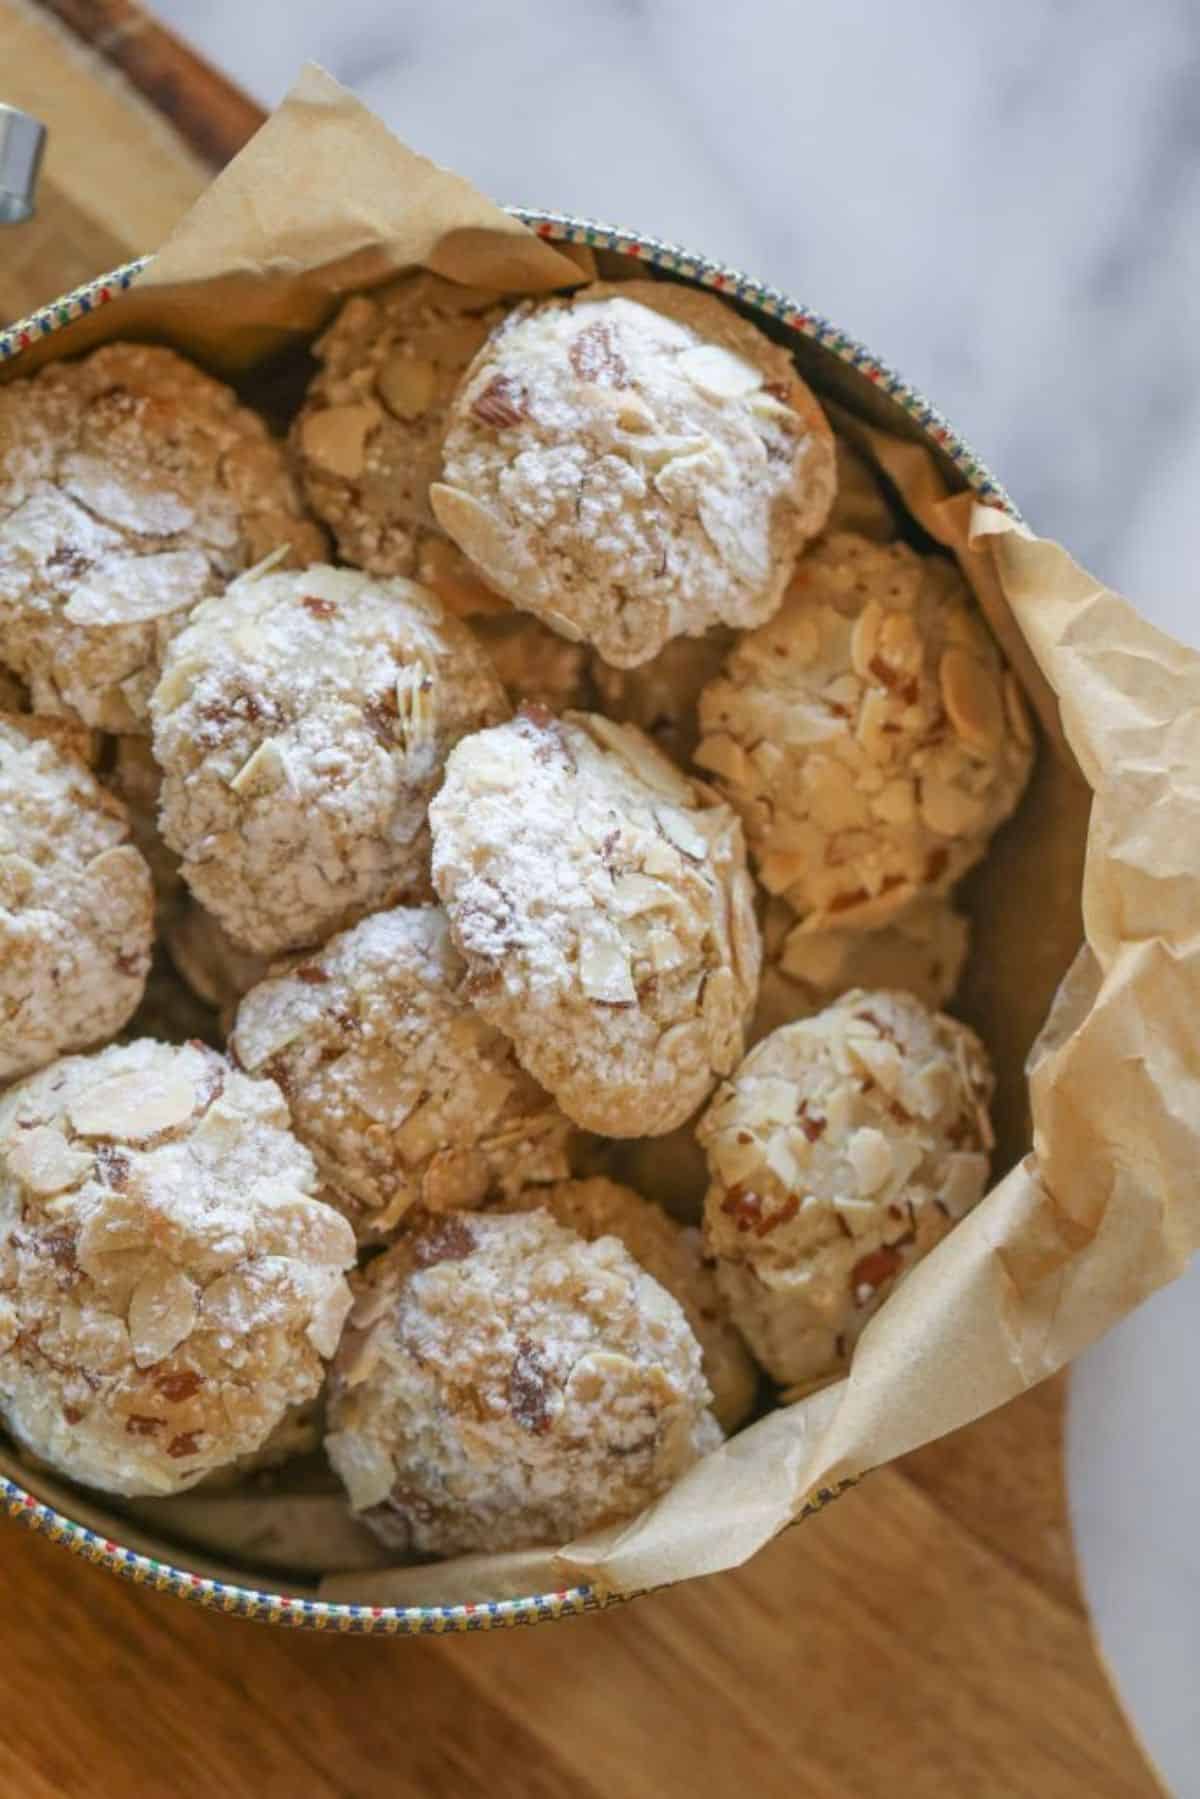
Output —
<point x="162" y="1312"/>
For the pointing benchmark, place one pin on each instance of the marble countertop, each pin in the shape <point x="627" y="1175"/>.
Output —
<point x="1003" y="205"/>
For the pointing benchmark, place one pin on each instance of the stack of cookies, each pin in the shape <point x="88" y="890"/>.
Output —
<point x="476" y="891"/>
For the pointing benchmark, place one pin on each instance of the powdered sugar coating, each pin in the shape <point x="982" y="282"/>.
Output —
<point x="368" y="439"/>
<point x="168" y="1285"/>
<point x="602" y="903"/>
<point x="870" y="736"/>
<point x="131" y="487"/>
<point x="302" y="723"/>
<point x="503" y="1384"/>
<point x="404" y="1093"/>
<point x="671" y="1253"/>
<point x="921" y="952"/>
<point x="635" y="463"/>
<point x="843" y="1149"/>
<point x="662" y="696"/>
<point x="76" y="906"/>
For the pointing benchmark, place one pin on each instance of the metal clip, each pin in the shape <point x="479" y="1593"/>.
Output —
<point x="22" y="141"/>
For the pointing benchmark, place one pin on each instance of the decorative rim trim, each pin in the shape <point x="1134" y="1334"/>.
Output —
<point x="435" y="1620"/>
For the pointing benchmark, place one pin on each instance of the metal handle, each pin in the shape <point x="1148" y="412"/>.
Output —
<point x="22" y="141"/>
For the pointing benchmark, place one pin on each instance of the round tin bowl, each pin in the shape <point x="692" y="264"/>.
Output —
<point x="838" y="368"/>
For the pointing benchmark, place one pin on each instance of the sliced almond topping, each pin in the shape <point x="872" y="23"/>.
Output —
<point x="43" y="1160"/>
<point x="262" y="773"/>
<point x="133" y="1106"/>
<point x="948" y="810"/>
<point x="870" y="1156"/>
<point x="723" y="756"/>
<point x="682" y="833"/>
<point x="162" y="1312"/>
<point x="604" y="972"/>
<point x="665" y="950"/>
<point x="864" y="640"/>
<point x="717" y="372"/>
<point x="477" y="531"/>
<point x="123" y="590"/>
<point x="634" y="894"/>
<point x="329" y="1316"/>
<point x="639" y="753"/>
<point x="336" y="439"/>
<point x="971" y="696"/>
<point x="407" y="386"/>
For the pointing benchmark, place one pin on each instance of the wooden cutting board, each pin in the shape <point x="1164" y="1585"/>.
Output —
<point x="924" y="1637"/>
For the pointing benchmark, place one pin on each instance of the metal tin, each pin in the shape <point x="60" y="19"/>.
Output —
<point x="837" y="366"/>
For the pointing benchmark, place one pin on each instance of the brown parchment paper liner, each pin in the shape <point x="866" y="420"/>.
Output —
<point x="1096" y="1204"/>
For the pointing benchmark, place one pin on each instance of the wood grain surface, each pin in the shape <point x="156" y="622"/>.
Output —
<point x="923" y="1637"/>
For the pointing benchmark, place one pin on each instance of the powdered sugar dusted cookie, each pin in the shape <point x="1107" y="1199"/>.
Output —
<point x="870" y="736"/>
<point x="302" y="723"/>
<point x="635" y="463"/>
<point x="369" y="436"/>
<point x="603" y="906"/>
<point x="922" y="952"/>
<point x="131" y="486"/>
<point x="662" y="696"/>
<point x="402" y="1091"/>
<point x="76" y="906"/>
<point x="671" y="1253"/>
<point x="503" y="1384"/>
<point x="168" y="1284"/>
<point x="843" y="1149"/>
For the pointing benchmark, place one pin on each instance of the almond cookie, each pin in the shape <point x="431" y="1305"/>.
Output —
<point x="402" y="1091"/>
<point x="662" y="697"/>
<point x="635" y="463"/>
<point x="135" y="777"/>
<point x="671" y="1253"/>
<point x="168" y="1285"/>
<point x="861" y="503"/>
<point x="502" y="1385"/>
<point x="131" y="486"/>
<point x="922" y="952"/>
<point x="871" y="737"/>
<point x="368" y="439"/>
<point x="209" y="961"/>
<point x="843" y="1149"/>
<point x="76" y="906"/>
<point x="602" y="903"/>
<point x="302" y="722"/>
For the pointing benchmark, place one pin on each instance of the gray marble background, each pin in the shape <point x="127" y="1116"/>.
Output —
<point x="1005" y="206"/>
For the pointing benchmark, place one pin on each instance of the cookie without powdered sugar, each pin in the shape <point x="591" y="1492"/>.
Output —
<point x="302" y="723"/>
<point x="635" y="463"/>
<point x="602" y="903"/>
<point x="870" y="737"/>
<point x="131" y="486"/>
<point x="843" y="1149"/>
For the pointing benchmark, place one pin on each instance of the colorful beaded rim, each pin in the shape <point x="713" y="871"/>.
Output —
<point x="433" y="1620"/>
